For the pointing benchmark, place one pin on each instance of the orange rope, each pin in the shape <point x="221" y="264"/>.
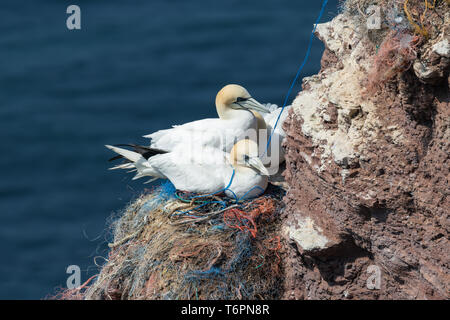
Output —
<point x="243" y="221"/>
<point x="236" y="219"/>
<point x="86" y="283"/>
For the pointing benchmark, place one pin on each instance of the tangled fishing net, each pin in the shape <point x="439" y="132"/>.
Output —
<point x="172" y="245"/>
<point x="395" y="55"/>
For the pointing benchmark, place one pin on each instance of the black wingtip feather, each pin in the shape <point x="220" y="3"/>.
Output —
<point x="115" y="158"/>
<point x="146" y="152"/>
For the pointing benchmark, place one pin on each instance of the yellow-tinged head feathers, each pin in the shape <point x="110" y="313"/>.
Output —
<point x="230" y="94"/>
<point x="245" y="147"/>
<point x="245" y="154"/>
<point x="234" y="97"/>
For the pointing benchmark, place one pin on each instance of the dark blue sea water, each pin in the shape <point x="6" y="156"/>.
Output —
<point x="133" y="68"/>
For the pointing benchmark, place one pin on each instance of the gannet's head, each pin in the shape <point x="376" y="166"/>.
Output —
<point x="245" y="154"/>
<point x="234" y="97"/>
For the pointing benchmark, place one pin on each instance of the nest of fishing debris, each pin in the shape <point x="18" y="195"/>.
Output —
<point x="170" y="245"/>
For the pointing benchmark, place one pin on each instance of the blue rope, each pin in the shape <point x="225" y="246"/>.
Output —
<point x="223" y="203"/>
<point x="227" y="188"/>
<point x="308" y="51"/>
<point x="217" y="192"/>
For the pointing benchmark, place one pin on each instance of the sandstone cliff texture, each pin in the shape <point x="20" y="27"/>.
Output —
<point x="368" y="165"/>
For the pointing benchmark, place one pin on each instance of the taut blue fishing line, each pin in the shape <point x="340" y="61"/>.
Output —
<point x="308" y="51"/>
<point x="227" y="188"/>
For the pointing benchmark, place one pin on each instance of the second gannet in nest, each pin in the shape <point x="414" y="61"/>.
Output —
<point x="205" y="170"/>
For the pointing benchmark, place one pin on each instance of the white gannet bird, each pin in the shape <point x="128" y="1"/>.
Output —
<point x="205" y="170"/>
<point x="233" y="104"/>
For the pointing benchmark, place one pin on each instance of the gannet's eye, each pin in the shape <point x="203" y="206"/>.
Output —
<point x="246" y="158"/>
<point x="240" y="99"/>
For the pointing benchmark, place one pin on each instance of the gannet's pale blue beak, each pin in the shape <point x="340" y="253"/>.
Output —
<point x="252" y="104"/>
<point x="257" y="164"/>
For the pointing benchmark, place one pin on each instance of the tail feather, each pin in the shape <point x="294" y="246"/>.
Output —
<point x="130" y="155"/>
<point x="137" y="162"/>
<point x="124" y="166"/>
<point x="151" y="180"/>
<point x="137" y="176"/>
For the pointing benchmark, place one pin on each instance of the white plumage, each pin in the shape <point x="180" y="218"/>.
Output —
<point x="200" y="156"/>
<point x="234" y="105"/>
<point x="205" y="170"/>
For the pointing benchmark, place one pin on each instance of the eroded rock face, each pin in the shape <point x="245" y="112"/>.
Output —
<point x="368" y="178"/>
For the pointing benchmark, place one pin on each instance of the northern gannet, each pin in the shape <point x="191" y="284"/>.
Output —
<point x="205" y="170"/>
<point x="240" y="116"/>
<point x="236" y="121"/>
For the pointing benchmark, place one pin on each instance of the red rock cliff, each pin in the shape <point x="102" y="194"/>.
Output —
<point x="368" y="170"/>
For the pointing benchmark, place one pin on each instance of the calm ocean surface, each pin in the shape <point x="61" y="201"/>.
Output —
<point x="135" y="67"/>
